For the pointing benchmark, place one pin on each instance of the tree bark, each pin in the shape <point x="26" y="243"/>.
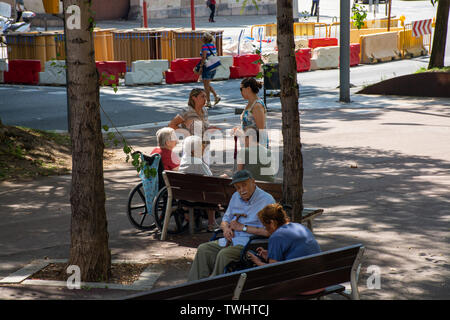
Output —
<point x="440" y="35"/>
<point x="292" y="155"/>
<point x="89" y="235"/>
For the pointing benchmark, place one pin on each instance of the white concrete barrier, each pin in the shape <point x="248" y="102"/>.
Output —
<point x="55" y="72"/>
<point x="325" y="58"/>
<point x="3" y="65"/>
<point x="379" y="47"/>
<point x="223" y="71"/>
<point x="146" y="72"/>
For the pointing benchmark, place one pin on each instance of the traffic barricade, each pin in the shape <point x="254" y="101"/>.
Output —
<point x="106" y="69"/>
<point x="355" y="34"/>
<point x="355" y="49"/>
<point x="103" y="44"/>
<point x="54" y="74"/>
<point x="3" y="68"/>
<point x="188" y="43"/>
<point x="303" y="59"/>
<point x="245" y="65"/>
<point x="146" y="72"/>
<point x="304" y="29"/>
<point x="409" y="45"/>
<point x="322" y="42"/>
<point x="181" y="71"/>
<point x="379" y="47"/>
<point x="23" y="71"/>
<point x="325" y="58"/>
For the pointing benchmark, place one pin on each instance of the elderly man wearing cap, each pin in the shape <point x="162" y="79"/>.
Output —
<point x="239" y="223"/>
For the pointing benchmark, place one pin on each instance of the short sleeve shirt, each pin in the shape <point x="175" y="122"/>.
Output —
<point x="291" y="241"/>
<point x="170" y="159"/>
<point x="208" y="48"/>
<point x="190" y="114"/>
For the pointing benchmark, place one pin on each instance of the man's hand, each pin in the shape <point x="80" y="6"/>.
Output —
<point x="228" y="233"/>
<point x="234" y="225"/>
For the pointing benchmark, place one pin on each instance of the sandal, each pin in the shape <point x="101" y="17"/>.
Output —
<point x="208" y="105"/>
<point x="217" y="99"/>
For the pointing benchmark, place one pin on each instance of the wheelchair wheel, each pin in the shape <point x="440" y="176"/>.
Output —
<point x="137" y="211"/>
<point x="177" y="222"/>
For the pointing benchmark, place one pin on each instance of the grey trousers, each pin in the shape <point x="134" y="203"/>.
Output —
<point x="211" y="259"/>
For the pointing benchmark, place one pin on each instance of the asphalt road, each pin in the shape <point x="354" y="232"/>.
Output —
<point x="45" y="108"/>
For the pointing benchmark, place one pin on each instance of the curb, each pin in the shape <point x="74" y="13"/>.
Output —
<point x="145" y="282"/>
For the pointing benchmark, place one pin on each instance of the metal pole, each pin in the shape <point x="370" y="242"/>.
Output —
<point x="67" y="71"/>
<point x="389" y="16"/>
<point x="344" y="52"/>
<point x="295" y="9"/>
<point x="144" y="15"/>
<point x="192" y="15"/>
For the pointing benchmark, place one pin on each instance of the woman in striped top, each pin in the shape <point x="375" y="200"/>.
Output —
<point x="208" y="48"/>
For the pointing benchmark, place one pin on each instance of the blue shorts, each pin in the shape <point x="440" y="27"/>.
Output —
<point x="208" y="75"/>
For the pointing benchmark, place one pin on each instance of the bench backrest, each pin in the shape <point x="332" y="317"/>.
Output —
<point x="214" y="190"/>
<point x="272" y="281"/>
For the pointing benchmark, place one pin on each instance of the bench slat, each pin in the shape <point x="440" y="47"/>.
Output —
<point x="283" y="289"/>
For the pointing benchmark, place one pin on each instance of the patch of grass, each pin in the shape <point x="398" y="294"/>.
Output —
<point x="423" y="69"/>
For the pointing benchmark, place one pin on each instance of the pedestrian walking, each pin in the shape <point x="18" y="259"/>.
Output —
<point x="208" y="49"/>
<point x="314" y="7"/>
<point x="211" y="4"/>
<point x="19" y="9"/>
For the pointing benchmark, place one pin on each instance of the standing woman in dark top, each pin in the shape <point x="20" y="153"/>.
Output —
<point x="212" y="6"/>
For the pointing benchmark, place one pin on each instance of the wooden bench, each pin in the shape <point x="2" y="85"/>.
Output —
<point x="211" y="192"/>
<point x="281" y="280"/>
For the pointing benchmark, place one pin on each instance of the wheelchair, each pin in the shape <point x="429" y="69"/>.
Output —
<point x="143" y="219"/>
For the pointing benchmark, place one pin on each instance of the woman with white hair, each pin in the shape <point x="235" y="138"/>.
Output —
<point x="167" y="141"/>
<point x="192" y="159"/>
<point x="192" y="162"/>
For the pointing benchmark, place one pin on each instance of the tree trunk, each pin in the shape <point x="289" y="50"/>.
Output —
<point x="292" y="154"/>
<point x="89" y="235"/>
<point x="440" y="35"/>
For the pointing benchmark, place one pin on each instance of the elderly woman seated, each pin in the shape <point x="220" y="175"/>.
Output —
<point x="192" y="162"/>
<point x="167" y="141"/>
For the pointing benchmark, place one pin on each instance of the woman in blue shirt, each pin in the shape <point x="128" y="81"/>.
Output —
<point x="288" y="240"/>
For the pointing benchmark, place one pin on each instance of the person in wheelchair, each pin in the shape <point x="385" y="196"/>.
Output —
<point x="239" y="223"/>
<point x="288" y="240"/>
<point x="167" y="141"/>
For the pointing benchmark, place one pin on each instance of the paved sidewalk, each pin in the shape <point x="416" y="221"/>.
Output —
<point x="379" y="166"/>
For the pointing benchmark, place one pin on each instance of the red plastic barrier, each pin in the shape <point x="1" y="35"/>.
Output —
<point x="322" y="42"/>
<point x="244" y="66"/>
<point x="181" y="71"/>
<point x="23" y="71"/>
<point x="355" y="49"/>
<point x="108" y="68"/>
<point x="303" y="59"/>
